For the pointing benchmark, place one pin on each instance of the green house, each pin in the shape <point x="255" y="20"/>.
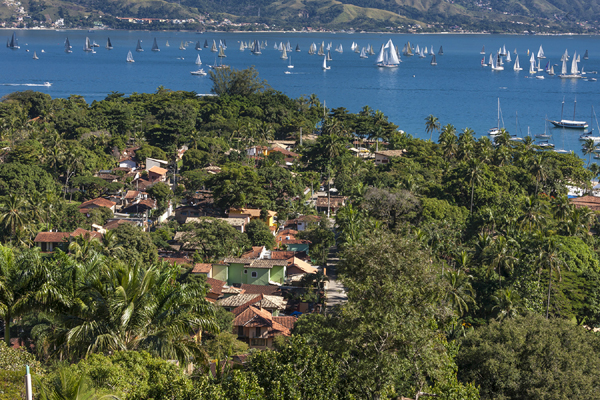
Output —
<point x="254" y="272"/>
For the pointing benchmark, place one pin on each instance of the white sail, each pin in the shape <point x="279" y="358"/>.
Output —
<point x="503" y="50"/>
<point x="491" y="61"/>
<point x="508" y="59"/>
<point x="35" y="57"/>
<point x="393" y="56"/>
<point x="540" y="53"/>
<point x="417" y="50"/>
<point x="574" y="69"/>
<point x="129" y="57"/>
<point x="325" y="67"/>
<point x="381" y="55"/>
<point x="198" y="61"/>
<point x="517" y="66"/>
<point x="284" y="54"/>
<point x="532" y="69"/>
<point x="363" y="53"/>
<point x="563" y="70"/>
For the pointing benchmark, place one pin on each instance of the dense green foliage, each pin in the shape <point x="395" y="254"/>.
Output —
<point x="468" y="270"/>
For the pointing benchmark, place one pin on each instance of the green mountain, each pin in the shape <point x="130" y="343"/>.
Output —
<point x="429" y="15"/>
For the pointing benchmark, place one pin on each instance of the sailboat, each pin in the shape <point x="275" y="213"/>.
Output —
<point x="497" y="130"/>
<point x="407" y="50"/>
<point x="205" y="43"/>
<point x="256" y="48"/>
<point x="551" y="71"/>
<point x="495" y="65"/>
<point x="586" y="55"/>
<point x="508" y="57"/>
<point x="433" y="62"/>
<point x="483" y="63"/>
<point x="155" y="46"/>
<point x="363" y="53"/>
<point x="540" y="53"/>
<point x="290" y="65"/>
<point x="284" y="54"/>
<point x="214" y="47"/>
<point x="221" y="52"/>
<point x="482" y="50"/>
<point x="13" y="43"/>
<point x="371" y="51"/>
<point x="321" y="50"/>
<point x="182" y="46"/>
<point x="198" y="60"/>
<point x="532" y="68"/>
<point x="517" y="66"/>
<point x="574" y="73"/>
<point x="139" y="46"/>
<point x="68" y="46"/>
<point x="388" y="58"/>
<point x="503" y="53"/>
<point x="441" y="51"/>
<point x="35" y="57"/>
<point x="325" y="66"/>
<point x="198" y="47"/>
<point x="418" y="50"/>
<point x="297" y="47"/>
<point x="130" y="57"/>
<point x="571" y="124"/>
<point x="329" y="56"/>
<point x="242" y="47"/>
<point x="491" y="60"/>
<point x="88" y="45"/>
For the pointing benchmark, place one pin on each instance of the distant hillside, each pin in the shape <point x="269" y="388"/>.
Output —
<point x="429" y="15"/>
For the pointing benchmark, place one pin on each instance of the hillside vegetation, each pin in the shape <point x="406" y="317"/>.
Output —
<point x="432" y="15"/>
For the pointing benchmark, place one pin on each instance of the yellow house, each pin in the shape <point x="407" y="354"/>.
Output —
<point x="253" y="213"/>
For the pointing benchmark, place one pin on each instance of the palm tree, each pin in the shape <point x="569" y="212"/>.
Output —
<point x="508" y="303"/>
<point x="68" y="386"/>
<point x="538" y="170"/>
<point x="448" y="141"/>
<point x="26" y="284"/>
<point x="431" y="124"/>
<point x="475" y="175"/>
<point x="460" y="292"/>
<point x="503" y="256"/>
<point x="14" y="214"/>
<point x="466" y="144"/>
<point x="550" y="258"/>
<point x="589" y="147"/>
<point x="533" y="213"/>
<point x="134" y="307"/>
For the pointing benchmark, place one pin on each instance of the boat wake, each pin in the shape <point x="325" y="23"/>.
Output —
<point x="45" y="84"/>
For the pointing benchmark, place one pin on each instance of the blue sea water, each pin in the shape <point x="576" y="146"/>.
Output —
<point x="457" y="91"/>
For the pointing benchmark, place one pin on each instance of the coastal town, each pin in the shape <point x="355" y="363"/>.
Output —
<point x="246" y="244"/>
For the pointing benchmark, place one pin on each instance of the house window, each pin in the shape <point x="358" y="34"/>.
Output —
<point x="240" y="331"/>
<point x="254" y="274"/>
<point x="257" y="332"/>
<point x="257" y="342"/>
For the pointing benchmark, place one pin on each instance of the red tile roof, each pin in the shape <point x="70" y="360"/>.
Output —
<point x="247" y="304"/>
<point x="86" y="234"/>
<point x="254" y="253"/>
<point x="286" y="321"/>
<point x="270" y="290"/>
<point x="158" y="170"/>
<point x="200" y="268"/>
<point x="132" y="194"/>
<point x="592" y="202"/>
<point x="114" y="224"/>
<point x="99" y="202"/>
<point x="51" y="237"/>
<point x="216" y="286"/>
<point x="256" y="317"/>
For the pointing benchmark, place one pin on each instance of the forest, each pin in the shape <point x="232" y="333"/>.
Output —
<point x="469" y="272"/>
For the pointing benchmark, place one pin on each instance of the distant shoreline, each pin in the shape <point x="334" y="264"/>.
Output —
<point x="304" y="32"/>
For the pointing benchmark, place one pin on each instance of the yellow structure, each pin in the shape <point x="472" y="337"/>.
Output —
<point x="252" y="213"/>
